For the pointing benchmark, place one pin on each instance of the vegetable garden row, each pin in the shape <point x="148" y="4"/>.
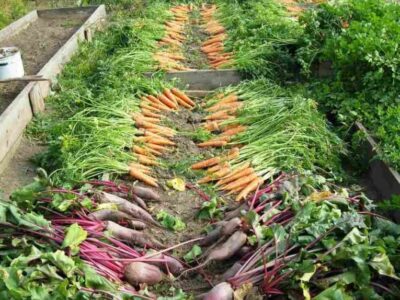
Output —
<point x="147" y="192"/>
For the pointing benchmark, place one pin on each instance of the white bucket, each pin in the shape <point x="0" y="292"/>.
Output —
<point x="10" y="63"/>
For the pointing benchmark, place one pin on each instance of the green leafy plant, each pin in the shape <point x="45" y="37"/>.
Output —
<point x="170" y="222"/>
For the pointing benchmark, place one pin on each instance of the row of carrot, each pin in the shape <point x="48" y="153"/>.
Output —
<point x="223" y="110"/>
<point x="241" y="180"/>
<point x="155" y="139"/>
<point x="213" y="47"/>
<point x="170" y="58"/>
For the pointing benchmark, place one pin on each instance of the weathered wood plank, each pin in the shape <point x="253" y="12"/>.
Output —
<point x="204" y="79"/>
<point x="13" y="122"/>
<point x="15" y="27"/>
<point x="385" y="179"/>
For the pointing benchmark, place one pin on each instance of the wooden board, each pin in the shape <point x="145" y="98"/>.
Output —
<point x="15" y="27"/>
<point x="385" y="179"/>
<point x="30" y="100"/>
<point x="204" y="79"/>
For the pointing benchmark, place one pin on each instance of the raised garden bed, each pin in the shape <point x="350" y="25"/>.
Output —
<point x="47" y="40"/>
<point x="385" y="179"/>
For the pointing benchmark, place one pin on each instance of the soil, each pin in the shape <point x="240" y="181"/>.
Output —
<point x="38" y="43"/>
<point x="195" y="58"/>
<point x="21" y="170"/>
<point x="186" y="204"/>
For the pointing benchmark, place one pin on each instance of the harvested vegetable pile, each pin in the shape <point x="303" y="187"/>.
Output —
<point x="170" y="58"/>
<point x="268" y="216"/>
<point x="275" y="131"/>
<point x="214" y="46"/>
<point x="82" y="241"/>
<point x="291" y="239"/>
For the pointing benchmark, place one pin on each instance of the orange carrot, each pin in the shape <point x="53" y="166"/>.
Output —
<point x="183" y="96"/>
<point x="252" y="186"/>
<point x="222" y="106"/>
<point x="166" y="101"/>
<point x="156" y="147"/>
<point x="220" y="115"/>
<point x="137" y="174"/>
<point x="170" y="96"/>
<point x="139" y="150"/>
<point x="139" y="166"/>
<point x="212" y="144"/>
<point x="143" y="105"/>
<point x="234" y="131"/>
<point x="183" y="103"/>
<point x="239" y="182"/>
<point x="241" y="172"/>
<point x="158" y="103"/>
<point x="206" y="163"/>
<point x="148" y="113"/>
<point x="145" y="160"/>
<point x="211" y="126"/>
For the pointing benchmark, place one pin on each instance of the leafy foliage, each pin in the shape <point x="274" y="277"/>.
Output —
<point x="361" y="41"/>
<point x="171" y="222"/>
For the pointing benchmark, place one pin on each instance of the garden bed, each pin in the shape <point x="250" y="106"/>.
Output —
<point x="47" y="39"/>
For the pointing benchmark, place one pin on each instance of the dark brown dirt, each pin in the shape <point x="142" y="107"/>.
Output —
<point x="195" y="58"/>
<point x="38" y="43"/>
<point x="186" y="204"/>
<point x="21" y="170"/>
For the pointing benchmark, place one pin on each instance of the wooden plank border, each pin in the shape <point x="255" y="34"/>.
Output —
<point x="15" y="27"/>
<point x="203" y="79"/>
<point x="30" y="100"/>
<point x="385" y="179"/>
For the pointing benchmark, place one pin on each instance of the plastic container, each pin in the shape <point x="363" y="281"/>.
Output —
<point x="11" y="65"/>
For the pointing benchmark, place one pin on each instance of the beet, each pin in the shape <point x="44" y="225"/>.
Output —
<point x="170" y="264"/>
<point x="145" y="193"/>
<point x="222" y="291"/>
<point x="109" y="215"/>
<point x="139" y="272"/>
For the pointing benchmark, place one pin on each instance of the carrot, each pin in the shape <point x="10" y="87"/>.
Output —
<point x="139" y="150"/>
<point x="183" y="103"/>
<point x="211" y="126"/>
<point x="183" y="96"/>
<point x="218" y="167"/>
<point x="239" y="182"/>
<point x="139" y="166"/>
<point x="153" y="151"/>
<point x="150" y="133"/>
<point x="228" y="99"/>
<point x="215" y="108"/>
<point x="166" y="101"/>
<point x="220" y="138"/>
<point x="161" y="132"/>
<point x="206" y="163"/>
<point x="234" y="131"/>
<point x="220" y="115"/>
<point x="161" y="142"/>
<point x="214" y="176"/>
<point x="137" y="174"/>
<point x="143" y="105"/>
<point x="156" y="147"/>
<point x="146" y="160"/>
<point x="240" y="172"/>
<point x="148" y="113"/>
<point x="249" y="188"/>
<point x="159" y="104"/>
<point x="212" y="144"/>
<point x="170" y="96"/>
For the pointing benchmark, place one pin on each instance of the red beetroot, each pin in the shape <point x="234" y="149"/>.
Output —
<point x="139" y="272"/>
